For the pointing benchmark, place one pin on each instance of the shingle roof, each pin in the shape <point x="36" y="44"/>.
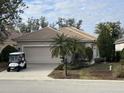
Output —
<point x="74" y="32"/>
<point x="45" y="34"/>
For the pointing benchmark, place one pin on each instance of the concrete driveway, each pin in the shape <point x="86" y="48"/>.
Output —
<point x="33" y="72"/>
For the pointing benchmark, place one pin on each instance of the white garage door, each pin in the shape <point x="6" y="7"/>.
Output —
<point x="40" y="54"/>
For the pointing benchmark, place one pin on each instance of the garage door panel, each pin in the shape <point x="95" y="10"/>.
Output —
<point x="39" y="55"/>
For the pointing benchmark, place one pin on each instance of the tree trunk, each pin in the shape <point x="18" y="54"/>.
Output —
<point x="65" y="66"/>
<point x="66" y="69"/>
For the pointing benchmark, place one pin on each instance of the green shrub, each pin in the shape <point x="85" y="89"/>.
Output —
<point x="60" y="67"/>
<point x="99" y="60"/>
<point x="121" y="75"/>
<point x="117" y="56"/>
<point x="120" y="71"/>
<point x="89" y="53"/>
<point x="73" y="66"/>
<point x="5" y="52"/>
<point x="0" y="57"/>
<point x="78" y="65"/>
<point x="122" y="54"/>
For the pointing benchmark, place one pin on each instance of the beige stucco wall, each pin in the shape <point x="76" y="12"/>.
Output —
<point x="119" y="47"/>
<point x="4" y="44"/>
<point x="21" y="45"/>
<point x="37" y="52"/>
<point x="31" y="43"/>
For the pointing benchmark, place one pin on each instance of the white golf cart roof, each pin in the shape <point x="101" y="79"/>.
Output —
<point x="16" y="53"/>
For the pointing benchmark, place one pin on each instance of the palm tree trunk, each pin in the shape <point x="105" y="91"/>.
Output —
<point x="66" y="69"/>
<point x="65" y="66"/>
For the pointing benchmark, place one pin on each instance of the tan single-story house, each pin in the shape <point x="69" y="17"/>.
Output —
<point x="119" y="44"/>
<point x="36" y="45"/>
<point x="9" y="41"/>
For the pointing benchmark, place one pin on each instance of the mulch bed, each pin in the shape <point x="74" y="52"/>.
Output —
<point x="59" y="74"/>
<point x="75" y="74"/>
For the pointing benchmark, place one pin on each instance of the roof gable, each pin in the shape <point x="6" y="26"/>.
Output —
<point x="74" y="32"/>
<point x="45" y="34"/>
<point x="119" y="41"/>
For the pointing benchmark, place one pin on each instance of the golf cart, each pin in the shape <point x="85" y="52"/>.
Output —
<point x="16" y="61"/>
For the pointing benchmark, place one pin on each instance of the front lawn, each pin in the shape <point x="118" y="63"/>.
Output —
<point x="96" y="71"/>
<point x="3" y="66"/>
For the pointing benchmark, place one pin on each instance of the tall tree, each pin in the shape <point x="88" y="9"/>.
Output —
<point x="105" y="44"/>
<point x="108" y="33"/>
<point x="9" y="13"/>
<point x="53" y="25"/>
<point x="70" y="22"/>
<point x="78" y="25"/>
<point x="33" y="24"/>
<point x="23" y="28"/>
<point x="43" y="22"/>
<point x="115" y="29"/>
<point x="3" y="33"/>
<point x="62" y="22"/>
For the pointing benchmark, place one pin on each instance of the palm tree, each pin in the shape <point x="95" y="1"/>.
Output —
<point x="60" y="49"/>
<point x="63" y="46"/>
<point x="76" y="48"/>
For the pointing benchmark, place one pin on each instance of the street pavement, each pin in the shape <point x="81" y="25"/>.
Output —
<point x="61" y="86"/>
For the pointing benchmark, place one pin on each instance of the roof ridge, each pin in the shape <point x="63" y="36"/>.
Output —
<point x="119" y="40"/>
<point x="33" y="34"/>
<point x="51" y="28"/>
<point x="36" y="31"/>
<point x="88" y="36"/>
<point x="82" y="32"/>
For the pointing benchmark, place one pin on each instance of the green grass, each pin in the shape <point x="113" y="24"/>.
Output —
<point x="97" y="71"/>
<point x="118" y="69"/>
<point x="103" y="66"/>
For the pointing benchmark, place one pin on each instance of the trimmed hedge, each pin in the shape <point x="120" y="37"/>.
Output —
<point x="5" y="53"/>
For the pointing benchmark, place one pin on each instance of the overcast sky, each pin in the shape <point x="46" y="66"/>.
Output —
<point x="90" y="11"/>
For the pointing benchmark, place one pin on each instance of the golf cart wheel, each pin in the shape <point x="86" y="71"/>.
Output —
<point x="18" y="69"/>
<point x="8" y="69"/>
<point x="25" y="66"/>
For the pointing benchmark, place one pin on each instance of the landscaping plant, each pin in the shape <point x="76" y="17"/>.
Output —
<point x="89" y="53"/>
<point x="63" y="46"/>
<point x="60" y="49"/>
